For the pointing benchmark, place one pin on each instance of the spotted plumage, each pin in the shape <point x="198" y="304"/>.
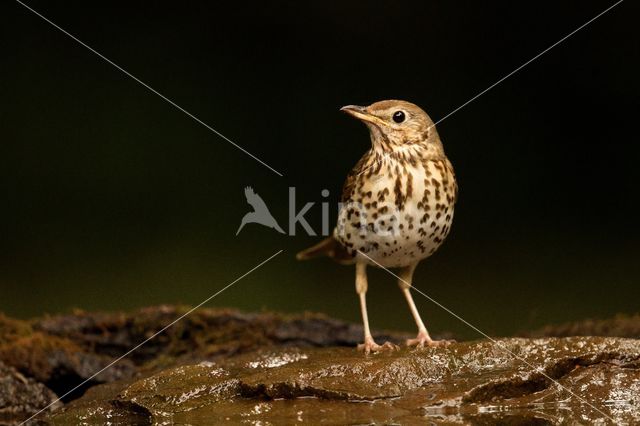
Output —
<point x="397" y="202"/>
<point x="407" y="203"/>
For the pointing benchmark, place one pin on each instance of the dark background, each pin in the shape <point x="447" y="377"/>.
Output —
<point x="112" y="198"/>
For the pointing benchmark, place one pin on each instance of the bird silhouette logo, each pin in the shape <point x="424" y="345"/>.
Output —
<point x="260" y="213"/>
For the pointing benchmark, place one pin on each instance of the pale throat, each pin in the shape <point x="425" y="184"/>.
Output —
<point x="395" y="145"/>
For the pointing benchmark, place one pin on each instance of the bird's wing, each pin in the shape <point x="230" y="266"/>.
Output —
<point x="449" y="167"/>
<point x="254" y="200"/>
<point x="350" y="182"/>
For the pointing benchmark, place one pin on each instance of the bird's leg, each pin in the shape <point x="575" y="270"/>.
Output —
<point x="423" y="338"/>
<point x="361" y="288"/>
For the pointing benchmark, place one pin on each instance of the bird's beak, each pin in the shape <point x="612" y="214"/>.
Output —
<point x="361" y="114"/>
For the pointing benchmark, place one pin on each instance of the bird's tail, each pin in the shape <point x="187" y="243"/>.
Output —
<point x="329" y="247"/>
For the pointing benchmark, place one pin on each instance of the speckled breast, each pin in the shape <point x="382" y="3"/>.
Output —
<point x="400" y="215"/>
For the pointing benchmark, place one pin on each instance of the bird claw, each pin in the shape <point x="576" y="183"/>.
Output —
<point x="370" y="345"/>
<point x="424" y="340"/>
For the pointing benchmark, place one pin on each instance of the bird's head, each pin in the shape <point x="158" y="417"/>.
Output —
<point x="396" y="125"/>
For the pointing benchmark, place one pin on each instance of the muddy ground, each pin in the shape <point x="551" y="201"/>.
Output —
<point x="228" y="366"/>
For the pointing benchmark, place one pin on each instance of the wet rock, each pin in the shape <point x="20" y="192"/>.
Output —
<point x="203" y="334"/>
<point x="546" y="381"/>
<point x="21" y="397"/>
<point x="99" y="407"/>
<point x="60" y="364"/>
<point x="619" y="326"/>
<point x="218" y="365"/>
<point x="65" y="352"/>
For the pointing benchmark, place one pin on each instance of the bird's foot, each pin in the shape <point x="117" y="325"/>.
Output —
<point x="424" y="340"/>
<point x="370" y="345"/>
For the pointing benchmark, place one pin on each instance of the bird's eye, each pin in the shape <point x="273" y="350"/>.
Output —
<point x="398" y="116"/>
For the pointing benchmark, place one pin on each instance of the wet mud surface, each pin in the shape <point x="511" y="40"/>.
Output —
<point x="222" y="366"/>
<point x="596" y="380"/>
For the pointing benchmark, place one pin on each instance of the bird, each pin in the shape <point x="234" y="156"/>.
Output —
<point x="396" y="206"/>
<point x="260" y="213"/>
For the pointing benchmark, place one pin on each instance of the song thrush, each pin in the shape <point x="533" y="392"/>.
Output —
<point x="397" y="204"/>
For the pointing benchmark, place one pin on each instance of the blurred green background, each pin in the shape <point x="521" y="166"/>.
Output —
<point x="113" y="199"/>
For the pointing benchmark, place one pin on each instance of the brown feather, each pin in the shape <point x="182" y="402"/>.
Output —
<point x="329" y="247"/>
<point x="351" y="180"/>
